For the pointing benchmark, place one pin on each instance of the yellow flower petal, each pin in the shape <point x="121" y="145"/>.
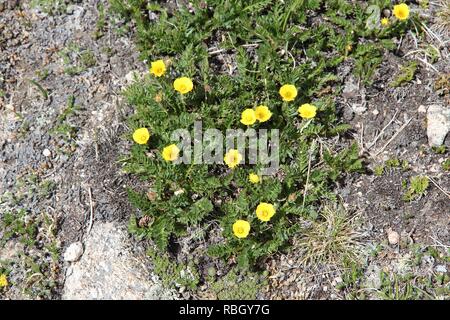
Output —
<point x="241" y="228"/>
<point x="265" y="211"/>
<point x="262" y="113"/>
<point x="171" y="153"/>
<point x="254" y="178"/>
<point x="158" y="68"/>
<point x="3" y="281"/>
<point x="401" y="11"/>
<point x="384" y="22"/>
<point x="141" y="135"/>
<point x="183" y="85"/>
<point x="232" y="158"/>
<point x="307" y="111"/>
<point x="248" y="117"/>
<point x="288" y="92"/>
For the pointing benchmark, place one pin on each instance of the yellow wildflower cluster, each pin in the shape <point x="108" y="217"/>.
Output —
<point x="260" y="113"/>
<point x="264" y="212"/>
<point x="183" y="85"/>
<point x="288" y="92"/>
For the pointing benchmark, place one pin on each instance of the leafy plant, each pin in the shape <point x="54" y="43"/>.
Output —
<point x="267" y="45"/>
<point x="405" y="75"/>
<point x="418" y="186"/>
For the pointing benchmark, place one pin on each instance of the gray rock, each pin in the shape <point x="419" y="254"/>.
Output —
<point x="73" y="252"/>
<point x="351" y="88"/>
<point x="441" y="268"/>
<point x="438" y="124"/>
<point x="109" y="270"/>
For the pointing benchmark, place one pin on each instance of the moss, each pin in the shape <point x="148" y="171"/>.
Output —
<point x="173" y="274"/>
<point x="88" y="59"/>
<point x="406" y="74"/>
<point x="446" y="165"/>
<point x="378" y="170"/>
<point x="418" y="186"/>
<point x="236" y="286"/>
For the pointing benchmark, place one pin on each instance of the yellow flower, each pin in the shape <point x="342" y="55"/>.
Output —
<point x="183" y="85"/>
<point x="241" y="228"/>
<point x="171" y="153"/>
<point x="384" y="22"/>
<point x="401" y="11"/>
<point x="288" y="92"/>
<point x="141" y="135"/>
<point x="3" y="281"/>
<point x="158" y="68"/>
<point x="248" y="117"/>
<point x="254" y="178"/>
<point x="232" y="158"/>
<point x="307" y="111"/>
<point x="265" y="211"/>
<point x="262" y="113"/>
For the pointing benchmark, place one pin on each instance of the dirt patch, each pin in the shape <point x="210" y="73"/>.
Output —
<point x="61" y="126"/>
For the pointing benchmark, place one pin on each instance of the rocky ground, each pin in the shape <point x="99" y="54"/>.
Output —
<point x="61" y="120"/>
<point x="63" y="203"/>
<point x="397" y="129"/>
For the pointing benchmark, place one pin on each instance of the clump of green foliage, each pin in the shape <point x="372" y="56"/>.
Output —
<point x="172" y="273"/>
<point x="101" y="22"/>
<point x="270" y="44"/>
<point x="236" y="286"/>
<point x="405" y="75"/>
<point x="40" y="255"/>
<point x="413" y="287"/>
<point x="446" y="165"/>
<point x="391" y="164"/>
<point x="15" y="225"/>
<point x="439" y="149"/>
<point x="417" y="187"/>
<point x="52" y="7"/>
<point x="333" y="241"/>
<point x="65" y="127"/>
<point x="76" y="60"/>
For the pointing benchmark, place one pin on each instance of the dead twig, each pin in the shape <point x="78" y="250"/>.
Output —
<point x="393" y="137"/>
<point x="91" y="217"/>
<point x="382" y="131"/>
<point x="439" y="187"/>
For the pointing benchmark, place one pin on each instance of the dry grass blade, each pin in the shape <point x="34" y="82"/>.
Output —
<point x="331" y="241"/>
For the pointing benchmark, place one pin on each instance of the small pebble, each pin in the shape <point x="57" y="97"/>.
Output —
<point x="441" y="268"/>
<point x="422" y="109"/>
<point x="47" y="153"/>
<point x="393" y="237"/>
<point x="73" y="252"/>
<point x="178" y="192"/>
